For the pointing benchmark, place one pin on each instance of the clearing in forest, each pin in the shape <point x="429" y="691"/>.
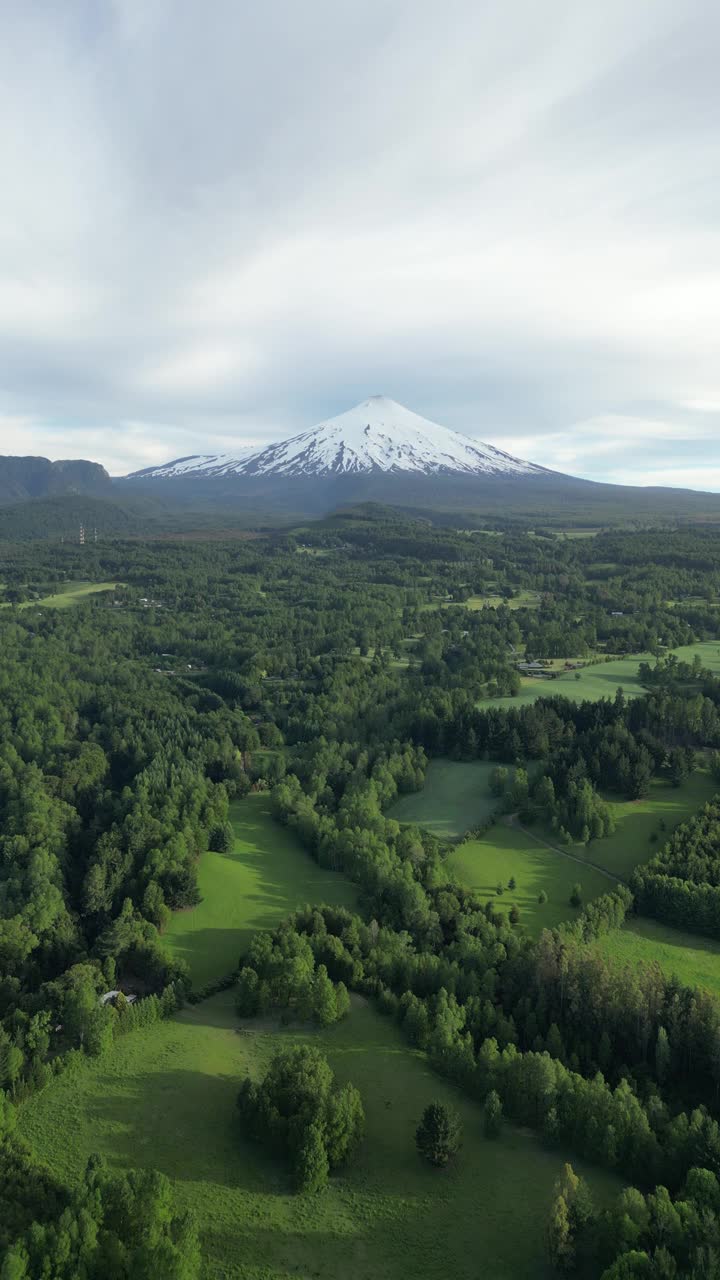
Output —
<point x="456" y="796"/>
<point x="638" y="821"/>
<point x="67" y="594"/>
<point x="598" y="680"/>
<point x="164" y="1097"/>
<point x="266" y="875"/>
<point x="691" y="958"/>
<point x="602" y="679"/>
<point x="507" y="852"/>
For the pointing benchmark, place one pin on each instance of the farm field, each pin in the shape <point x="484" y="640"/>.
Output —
<point x="455" y="796"/>
<point x="637" y="820"/>
<point x="693" y="959"/>
<point x="506" y="851"/>
<point x="265" y="876"/>
<point x="165" y="1098"/>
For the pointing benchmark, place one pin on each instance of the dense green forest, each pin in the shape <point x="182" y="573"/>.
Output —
<point x="326" y="665"/>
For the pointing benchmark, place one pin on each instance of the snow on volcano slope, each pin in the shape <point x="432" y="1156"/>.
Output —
<point x="206" y="464"/>
<point x="382" y="435"/>
<point x="378" y="435"/>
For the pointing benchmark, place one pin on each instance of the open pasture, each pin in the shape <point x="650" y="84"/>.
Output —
<point x="602" y="679"/>
<point x="67" y="594"/>
<point x="164" y="1098"/>
<point x="456" y="796"/>
<point x="266" y="875"/>
<point x="507" y="851"/>
<point x="693" y="959"/>
<point x="523" y="600"/>
<point x="597" y="680"/>
<point x="637" y="821"/>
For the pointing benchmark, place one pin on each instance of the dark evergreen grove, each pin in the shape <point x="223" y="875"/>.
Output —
<point x="328" y="665"/>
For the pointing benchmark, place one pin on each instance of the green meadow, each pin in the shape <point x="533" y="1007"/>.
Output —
<point x="507" y="852"/>
<point x="598" y="680"/>
<point x="709" y="652"/>
<point x="691" y="958"/>
<point x="602" y="679"/>
<point x="523" y="600"/>
<point x="637" y="821"/>
<point x="69" y="593"/>
<point x="643" y="826"/>
<point x="266" y="875"/>
<point x="455" y="796"/>
<point x="164" y="1097"/>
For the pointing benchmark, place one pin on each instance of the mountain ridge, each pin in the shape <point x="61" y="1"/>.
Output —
<point x="26" y="477"/>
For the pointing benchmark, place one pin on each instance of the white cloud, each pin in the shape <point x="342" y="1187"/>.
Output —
<point x="237" y="221"/>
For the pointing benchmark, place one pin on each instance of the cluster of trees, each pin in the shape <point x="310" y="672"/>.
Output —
<point x="299" y="1110"/>
<point x="111" y="1226"/>
<point x="281" y="971"/>
<point x="656" y="1236"/>
<point x="577" y="1047"/>
<point x="681" y="884"/>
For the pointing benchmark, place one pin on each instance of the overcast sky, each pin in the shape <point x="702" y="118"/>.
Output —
<point x="222" y="222"/>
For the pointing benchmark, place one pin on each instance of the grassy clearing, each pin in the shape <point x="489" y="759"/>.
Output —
<point x="601" y="679"/>
<point x="523" y="600"/>
<point x="165" y="1098"/>
<point x="68" y="593"/>
<point x="505" y="852"/>
<point x="694" y="960"/>
<point x="266" y="875"/>
<point x="709" y="652"/>
<point x="455" y="797"/>
<point x="637" y="820"/>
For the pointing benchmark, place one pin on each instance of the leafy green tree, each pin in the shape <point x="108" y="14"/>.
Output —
<point x="663" y="1056"/>
<point x="559" y="1241"/>
<point x="323" y="1001"/>
<point x="499" y="780"/>
<point x="221" y="838"/>
<point x="311" y="1160"/>
<point x="576" y="896"/>
<point x="493" y="1114"/>
<point x="298" y="1109"/>
<point x="439" y="1134"/>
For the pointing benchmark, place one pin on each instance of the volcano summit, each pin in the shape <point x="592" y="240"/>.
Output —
<point x="378" y="435"/>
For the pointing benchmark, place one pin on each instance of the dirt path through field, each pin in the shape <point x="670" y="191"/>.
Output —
<point x="513" y="821"/>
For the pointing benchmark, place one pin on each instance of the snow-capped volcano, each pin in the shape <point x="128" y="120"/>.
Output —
<point x="378" y="435"/>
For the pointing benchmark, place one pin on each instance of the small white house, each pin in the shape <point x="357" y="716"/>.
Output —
<point x="111" y="996"/>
